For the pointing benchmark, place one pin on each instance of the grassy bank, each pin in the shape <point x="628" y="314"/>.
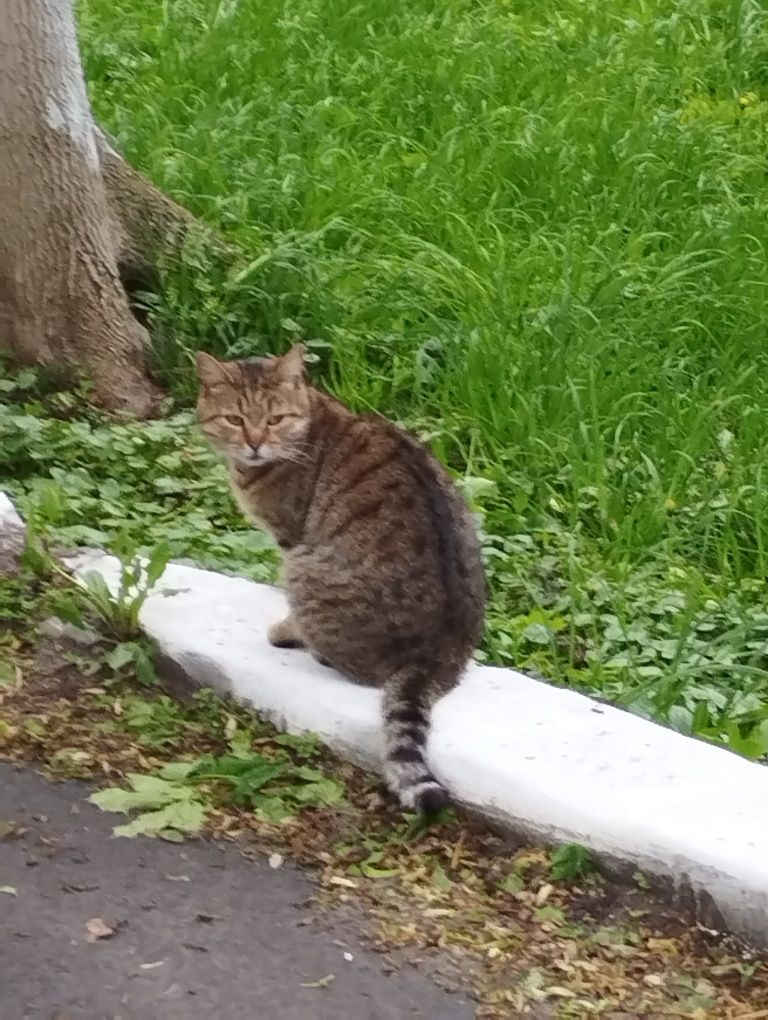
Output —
<point x="537" y="235"/>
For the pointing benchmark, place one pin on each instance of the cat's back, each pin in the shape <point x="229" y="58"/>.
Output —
<point x="383" y="501"/>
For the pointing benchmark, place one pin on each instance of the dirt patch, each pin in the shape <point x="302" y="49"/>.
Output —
<point x="49" y="678"/>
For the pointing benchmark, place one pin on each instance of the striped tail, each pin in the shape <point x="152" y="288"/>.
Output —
<point x="406" y="724"/>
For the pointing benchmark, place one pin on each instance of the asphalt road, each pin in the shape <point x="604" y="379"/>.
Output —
<point x="199" y="931"/>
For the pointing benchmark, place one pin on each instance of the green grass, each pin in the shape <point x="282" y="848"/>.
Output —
<point x="536" y="234"/>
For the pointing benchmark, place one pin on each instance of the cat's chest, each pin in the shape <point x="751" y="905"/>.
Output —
<point x="248" y="505"/>
<point x="273" y="507"/>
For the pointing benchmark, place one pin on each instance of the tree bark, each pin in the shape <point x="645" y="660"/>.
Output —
<point x="62" y="303"/>
<point x="149" y="229"/>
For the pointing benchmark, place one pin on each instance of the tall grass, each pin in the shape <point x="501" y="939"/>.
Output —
<point x="539" y="232"/>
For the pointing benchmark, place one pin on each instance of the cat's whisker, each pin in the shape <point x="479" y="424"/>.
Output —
<point x="303" y="446"/>
<point x="294" y="456"/>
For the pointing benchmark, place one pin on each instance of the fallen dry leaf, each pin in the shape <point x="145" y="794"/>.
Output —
<point x="543" y="894"/>
<point x="321" y="983"/>
<point x="667" y="947"/>
<point x="11" y="830"/>
<point x="96" y="929"/>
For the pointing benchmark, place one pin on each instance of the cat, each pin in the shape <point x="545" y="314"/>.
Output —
<point x="382" y="566"/>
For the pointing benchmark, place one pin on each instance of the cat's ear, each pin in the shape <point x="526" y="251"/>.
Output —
<point x="291" y="366"/>
<point x="211" y="372"/>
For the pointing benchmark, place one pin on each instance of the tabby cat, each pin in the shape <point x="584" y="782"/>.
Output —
<point x="381" y="565"/>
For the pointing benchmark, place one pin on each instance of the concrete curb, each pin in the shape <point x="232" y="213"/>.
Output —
<point x="546" y="762"/>
<point x="12" y="538"/>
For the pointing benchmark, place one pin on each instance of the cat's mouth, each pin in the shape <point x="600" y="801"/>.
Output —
<point x="264" y="455"/>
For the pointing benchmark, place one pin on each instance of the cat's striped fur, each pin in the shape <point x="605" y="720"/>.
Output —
<point x="382" y="566"/>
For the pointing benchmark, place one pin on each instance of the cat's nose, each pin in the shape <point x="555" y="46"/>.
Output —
<point x="254" y="440"/>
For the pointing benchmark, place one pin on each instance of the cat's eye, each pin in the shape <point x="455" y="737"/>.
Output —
<point x="233" y="419"/>
<point x="275" y="419"/>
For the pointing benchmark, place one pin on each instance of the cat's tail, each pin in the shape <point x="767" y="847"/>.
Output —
<point x="406" y="708"/>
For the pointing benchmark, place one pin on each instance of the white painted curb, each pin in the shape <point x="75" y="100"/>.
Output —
<point x="12" y="536"/>
<point x="548" y="762"/>
<point x="9" y="518"/>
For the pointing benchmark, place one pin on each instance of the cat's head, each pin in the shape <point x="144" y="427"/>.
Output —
<point x="255" y="411"/>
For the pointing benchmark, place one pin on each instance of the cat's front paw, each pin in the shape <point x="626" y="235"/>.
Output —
<point x="285" y="634"/>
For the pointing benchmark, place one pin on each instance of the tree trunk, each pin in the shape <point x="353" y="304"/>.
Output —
<point x="61" y="300"/>
<point x="149" y="229"/>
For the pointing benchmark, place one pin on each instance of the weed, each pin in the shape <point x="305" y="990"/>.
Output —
<point x="156" y="723"/>
<point x="89" y="600"/>
<point x="571" y="862"/>
<point x="166" y="808"/>
<point x="179" y="798"/>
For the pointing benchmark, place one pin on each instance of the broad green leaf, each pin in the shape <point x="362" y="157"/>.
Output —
<point x="681" y="719"/>
<point x="273" y="809"/>
<point x="148" y="791"/>
<point x="184" y="816"/>
<point x="176" y="771"/>
<point x="157" y="563"/>
<point x="537" y="634"/>
<point x="240" y="744"/>
<point x="307" y="744"/>
<point x="475" y="488"/>
<point x="171" y="835"/>
<point x="570" y="862"/>
<point x="512" y="883"/>
<point x="327" y="791"/>
<point x="116" y="799"/>
<point x="97" y="585"/>
<point x="157" y="787"/>
<point x="620" y="661"/>
<point x="245" y="786"/>
<point x="754" y="744"/>
<point x="120" y="655"/>
<point x="254" y="770"/>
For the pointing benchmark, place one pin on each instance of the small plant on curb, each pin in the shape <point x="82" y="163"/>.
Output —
<point x="88" y="601"/>
<point x="118" y="614"/>
<point x="89" y="596"/>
